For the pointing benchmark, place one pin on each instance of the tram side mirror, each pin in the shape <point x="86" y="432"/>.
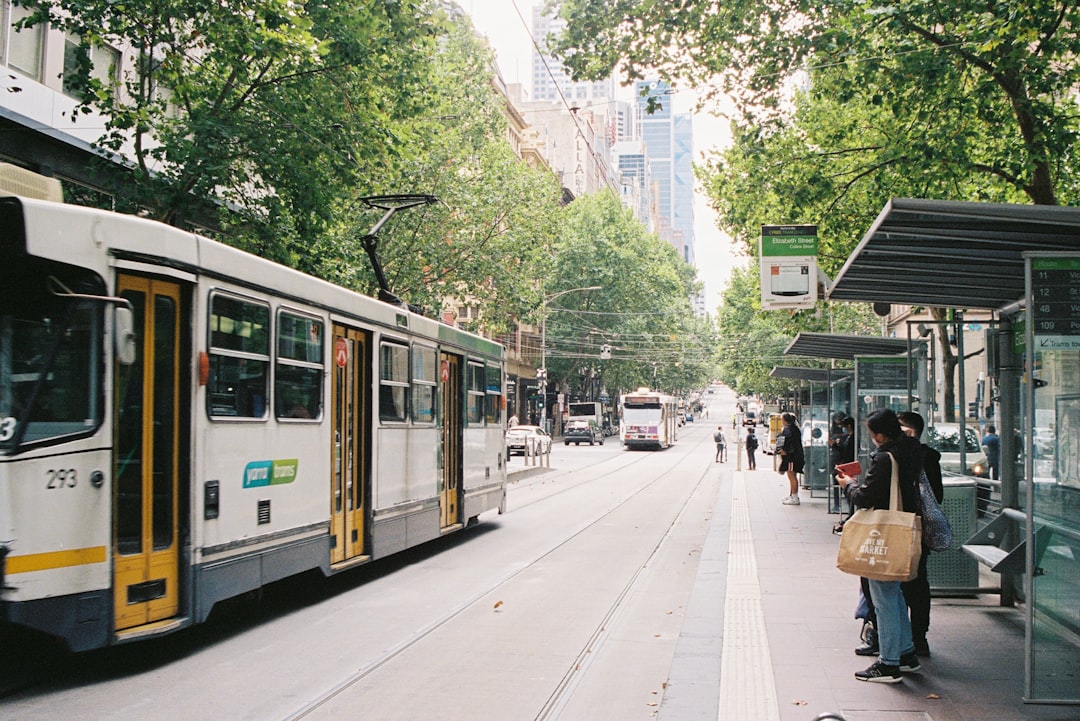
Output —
<point x="815" y="433"/>
<point x="124" y="321"/>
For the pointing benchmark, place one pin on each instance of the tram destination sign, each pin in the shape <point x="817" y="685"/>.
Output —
<point x="1055" y="302"/>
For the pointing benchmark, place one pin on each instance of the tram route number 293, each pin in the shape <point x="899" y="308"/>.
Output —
<point x="61" y="478"/>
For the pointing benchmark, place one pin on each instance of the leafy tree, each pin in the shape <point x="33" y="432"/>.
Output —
<point x="641" y="310"/>
<point x="283" y="115"/>
<point x="975" y="88"/>
<point x="483" y="243"/>
<point x="752" y="341"/>
<point x="217" y="106"/>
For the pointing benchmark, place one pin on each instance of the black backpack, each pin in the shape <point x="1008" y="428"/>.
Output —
<point x="751" y="441"/>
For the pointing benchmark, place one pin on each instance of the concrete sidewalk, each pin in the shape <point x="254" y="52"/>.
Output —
<point x="773" y="565"/>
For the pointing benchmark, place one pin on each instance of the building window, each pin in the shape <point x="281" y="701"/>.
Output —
<point x="393" y="382"/>
<point x="298" y="373"/>
<point x="104" y="65"/>
<point x="239" y="357"/>
<point x="25" y="46"/>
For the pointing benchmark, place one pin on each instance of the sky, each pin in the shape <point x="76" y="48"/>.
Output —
<point x="509" y="37"/>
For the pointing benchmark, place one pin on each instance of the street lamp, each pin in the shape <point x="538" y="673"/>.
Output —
<point x="541" y="373"/>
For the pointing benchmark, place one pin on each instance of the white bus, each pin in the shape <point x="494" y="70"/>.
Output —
<point x="649" y="419"/>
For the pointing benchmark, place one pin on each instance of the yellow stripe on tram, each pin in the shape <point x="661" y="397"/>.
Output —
<point x="54" y="559"/>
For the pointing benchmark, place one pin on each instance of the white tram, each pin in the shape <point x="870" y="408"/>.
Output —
<point x="649" y="419"/>
<point x="182" y="422"/>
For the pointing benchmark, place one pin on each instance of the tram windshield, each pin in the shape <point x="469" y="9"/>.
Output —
<point x="50" y="355"/>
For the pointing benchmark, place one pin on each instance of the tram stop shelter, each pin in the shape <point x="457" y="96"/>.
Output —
<point x="1021" y="263"/>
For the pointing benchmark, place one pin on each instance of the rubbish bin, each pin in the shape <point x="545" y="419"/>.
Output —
<point x="953" y="572"/>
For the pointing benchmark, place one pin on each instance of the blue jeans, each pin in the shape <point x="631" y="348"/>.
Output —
<point x="893" y="623"/>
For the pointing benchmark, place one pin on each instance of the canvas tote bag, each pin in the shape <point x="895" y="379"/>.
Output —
<point x="882" y="545"/>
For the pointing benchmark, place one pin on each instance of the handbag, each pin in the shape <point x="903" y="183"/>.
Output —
<point x="936" y="529"/>
<point x="882" y="544"/>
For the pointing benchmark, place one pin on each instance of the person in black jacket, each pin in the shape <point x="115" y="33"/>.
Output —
<point x="751" y="449"/>
<point x="917" y="590"/>
<point x="789" y="448"/>
<point x="896" y="652"/>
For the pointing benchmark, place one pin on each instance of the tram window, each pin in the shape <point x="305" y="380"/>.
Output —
<point x="393" y="382"/>
<point x="298" y="373"/>
<point x="475" y="410"/>
<point x="493" y="407"/>
<point x="50" y="356"/>
<point x="239" y="357"/>
<point x="423" y="385"/>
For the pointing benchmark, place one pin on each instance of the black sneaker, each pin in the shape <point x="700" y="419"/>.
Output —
<point x="870" y="641"/>
<point x="880" y="673"/>
<point x="909" y="663"/>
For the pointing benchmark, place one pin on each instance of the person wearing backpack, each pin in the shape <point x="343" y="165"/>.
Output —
<point x="751" y="447"/>
<point x="721" y="443"/>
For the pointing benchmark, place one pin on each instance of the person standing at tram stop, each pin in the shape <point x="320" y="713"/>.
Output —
<point x="791" y="455"/>
<point x="896" y="653"/>
<point x="992" y="443"/>
<point x="917" y="590"/>
<point x="751" y="448"/>
<point x="721" y="444"/>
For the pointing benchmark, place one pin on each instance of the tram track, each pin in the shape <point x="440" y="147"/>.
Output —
<point x="558" y="670"/>
<point x="576" y="670"/>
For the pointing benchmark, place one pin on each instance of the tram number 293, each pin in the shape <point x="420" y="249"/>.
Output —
<point x="58" y="478"/>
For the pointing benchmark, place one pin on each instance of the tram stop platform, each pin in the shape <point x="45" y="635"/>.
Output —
<point x="770" y="632"/>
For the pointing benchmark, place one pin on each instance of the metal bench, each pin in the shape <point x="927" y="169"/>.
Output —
<point x="1001" y="543"/>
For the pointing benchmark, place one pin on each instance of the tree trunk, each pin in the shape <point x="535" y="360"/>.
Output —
<point x="948" y="365"/>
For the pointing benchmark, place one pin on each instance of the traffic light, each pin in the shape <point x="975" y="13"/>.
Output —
<point x="973" y="409"/>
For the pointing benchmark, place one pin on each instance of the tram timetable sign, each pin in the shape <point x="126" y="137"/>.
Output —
<point x="881" y="375"/>
<point x="789" y="275"/>
<point x="1055" y="302"/>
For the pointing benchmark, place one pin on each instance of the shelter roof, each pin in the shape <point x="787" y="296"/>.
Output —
<point x="952" y="254"/>
<point x="833" y="345"/>
<point x="819" y="375"/>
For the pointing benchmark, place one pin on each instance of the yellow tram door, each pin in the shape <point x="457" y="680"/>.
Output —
<point x="350" y="411"/>
<point x="146" y="464"/>
<point x="451" y="439"/>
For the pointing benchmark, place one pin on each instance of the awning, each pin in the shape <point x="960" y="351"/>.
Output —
<point x="832" y="345"/>
<point x="952" y="254"/>
<point x="816" y="375"/>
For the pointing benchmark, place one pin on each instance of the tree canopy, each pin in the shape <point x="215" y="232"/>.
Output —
<point x="640" y="310"/>
<point x="841" y="106"/>
<point x="984" y="89"/>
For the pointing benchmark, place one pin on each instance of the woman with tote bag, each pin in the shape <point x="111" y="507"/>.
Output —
<point x="897" y="652"/>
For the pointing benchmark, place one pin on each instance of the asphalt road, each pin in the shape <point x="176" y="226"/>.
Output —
<point x="566" y="607"/>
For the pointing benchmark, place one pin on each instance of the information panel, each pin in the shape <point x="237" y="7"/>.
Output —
<point x="881" y="375"/>
<point x="1055" y="309"/>
<point x="789" y="274"/>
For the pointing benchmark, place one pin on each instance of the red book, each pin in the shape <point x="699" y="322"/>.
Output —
<point x="850" y="469"/>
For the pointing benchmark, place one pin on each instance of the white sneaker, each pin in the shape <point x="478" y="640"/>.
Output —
<point x="791" y="501"/>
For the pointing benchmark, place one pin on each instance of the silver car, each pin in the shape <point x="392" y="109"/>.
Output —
<point x="944" y="438"/>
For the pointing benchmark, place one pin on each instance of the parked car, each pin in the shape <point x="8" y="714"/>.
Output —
<point x="581" y="431"/>
<point x="945" y="438"/>
<point x="519" y="438"/>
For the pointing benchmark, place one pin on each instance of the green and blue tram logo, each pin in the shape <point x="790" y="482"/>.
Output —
<point x="270" y="473"/>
